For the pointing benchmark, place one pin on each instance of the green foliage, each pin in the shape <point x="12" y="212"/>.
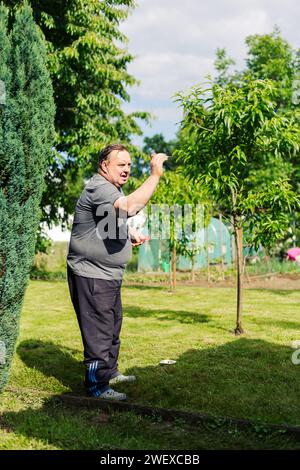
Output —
<point x="157" y="143"/>
<point x="232" y="131"/>
<point x="43" y="241"/>
<point x="26" y="136"/>
<point x="270" y="210"/>
<point x="175" y="189"/>
<point x="222" y="65"/>
<point x="88" y="60"/>
<point x="271" y="57"/>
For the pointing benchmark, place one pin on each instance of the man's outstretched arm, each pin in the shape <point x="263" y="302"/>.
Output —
<point x="137" y="200"/>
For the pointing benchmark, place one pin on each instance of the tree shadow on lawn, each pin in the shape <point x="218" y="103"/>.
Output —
<point x="283" y="324"/>
<point x="147" y="287"/>
<point x="244" y="378"/>
<point x="66" y="428"/>
<point x="182" y="316"/>
<point x="279" y="292"/>
<point x="53" y="360"/>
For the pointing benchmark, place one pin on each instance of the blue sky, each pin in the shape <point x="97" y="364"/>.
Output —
<point x="174" y="44"/>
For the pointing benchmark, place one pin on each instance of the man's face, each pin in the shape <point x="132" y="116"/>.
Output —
<point x="117" y="168"/>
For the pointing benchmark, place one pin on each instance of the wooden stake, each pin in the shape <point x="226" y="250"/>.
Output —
<point x="208" y="272"/>
<point x="174" y="267"/>
<point x="240" y="265"/>
<point x="221" y="244"/>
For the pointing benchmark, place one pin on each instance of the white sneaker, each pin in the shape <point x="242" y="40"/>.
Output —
<point x="111" y="394"/>
<point x="122" y="378"/>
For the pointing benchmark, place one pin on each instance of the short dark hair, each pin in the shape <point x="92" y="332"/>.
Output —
<point x="104" y="154"/>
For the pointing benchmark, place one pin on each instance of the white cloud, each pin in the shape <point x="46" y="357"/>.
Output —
<point x="164" y="74"/>
<point x="175" y="41"/>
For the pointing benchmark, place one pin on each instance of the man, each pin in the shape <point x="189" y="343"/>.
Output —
<point x="99" y="249"/>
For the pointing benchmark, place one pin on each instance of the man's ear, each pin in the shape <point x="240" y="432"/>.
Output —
<point x="103" y="166"/>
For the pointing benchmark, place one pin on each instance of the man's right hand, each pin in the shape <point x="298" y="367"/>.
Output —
<point x="156" y="163"/>
<point x="137" y="200"/>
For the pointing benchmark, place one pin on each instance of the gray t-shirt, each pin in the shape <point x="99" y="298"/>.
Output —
<point x="99" y="246"/>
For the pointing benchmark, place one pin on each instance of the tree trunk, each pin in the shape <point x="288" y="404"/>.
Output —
<point x="238" y="233"/>
<point x="207" y="254"/>
<point x="171" y="271"/>
<point x="221" y="246"/>
<point x="233" y="248"/>
<point x="174" y="268"/>
<point x="193" y="269"/>
<point x="294" y="229"/>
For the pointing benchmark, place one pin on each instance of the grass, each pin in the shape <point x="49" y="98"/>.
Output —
<point x="249" y="377"/>
<point x="273" y="265"/>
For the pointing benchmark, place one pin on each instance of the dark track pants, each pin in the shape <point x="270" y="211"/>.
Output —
<point x="97" y="303"/>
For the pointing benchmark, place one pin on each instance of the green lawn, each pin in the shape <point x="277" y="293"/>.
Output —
<point x="249" y="377"/>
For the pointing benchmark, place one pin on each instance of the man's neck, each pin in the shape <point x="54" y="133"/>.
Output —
<point x="104" y="176"/>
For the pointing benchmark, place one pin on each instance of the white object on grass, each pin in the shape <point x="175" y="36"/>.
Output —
<point x="165" y="362"/>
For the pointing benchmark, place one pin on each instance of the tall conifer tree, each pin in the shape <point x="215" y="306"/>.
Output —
<point x="26" y="137"/>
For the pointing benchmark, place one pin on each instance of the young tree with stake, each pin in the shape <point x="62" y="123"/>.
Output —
<point x="232" y="131"/>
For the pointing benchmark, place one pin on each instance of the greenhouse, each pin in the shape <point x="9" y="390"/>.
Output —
<point x="215" y="247"/>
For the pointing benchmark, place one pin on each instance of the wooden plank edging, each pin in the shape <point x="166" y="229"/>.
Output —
<point x="190" y="417"/>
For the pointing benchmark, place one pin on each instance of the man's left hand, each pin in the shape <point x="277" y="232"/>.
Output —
<point x="137" y="238"/>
